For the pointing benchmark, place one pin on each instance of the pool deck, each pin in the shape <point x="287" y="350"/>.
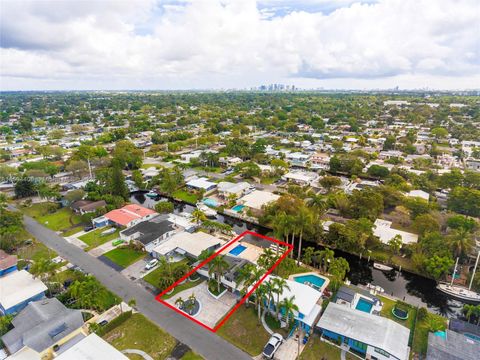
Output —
<point x="322" y="288"/>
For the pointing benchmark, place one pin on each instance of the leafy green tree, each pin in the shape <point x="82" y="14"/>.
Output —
<point x="248" y="170"/>
<point x="330" y="182"/>
<point x="116" y="184"/>
<point x="24" y="187"/>
<point x="128" y="155"/>
<point x="437" y="266"/>
<point x="366" y="204"/>
<point x="426" y="223"/>
<point x="164" y="207"/>
<point x="461" y="222"/>
<point x="5" y="324"/>
<point x="464" y="201"/>
<point x="378" y="171"/>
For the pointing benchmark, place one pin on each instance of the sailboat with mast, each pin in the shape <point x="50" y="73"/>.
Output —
<point x="460" y="292"/>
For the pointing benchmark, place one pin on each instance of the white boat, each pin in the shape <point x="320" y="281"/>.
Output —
<point x="209" y="212"/>
<point x="382" y="267"/>
<point x="460" y="292"/>
<point x="152" y="194"/>
<point x="377" y="288"/>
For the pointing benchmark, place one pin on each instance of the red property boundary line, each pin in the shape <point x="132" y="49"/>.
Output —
<point x="226" y="246"/>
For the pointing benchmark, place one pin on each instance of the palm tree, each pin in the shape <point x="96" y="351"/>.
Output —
<point x="198" y="216"/>
<point x="269" y="291"/>
<point x="279" y="285"/>
<point x="260" y="293"/>
<point x="317" y="202"/>
<point x="180" y="302"/>
<point x="289" y="307"/>
<point x="267" y="258"/>
<point x="469" y="310"/>
<point x="294" y="228"/>
<point x="304" y="220"/>
<point x="461" y="242"/>
<point x="308" y="255"/>
<point x="218" y="266"/>
<point x="325" y="257"/>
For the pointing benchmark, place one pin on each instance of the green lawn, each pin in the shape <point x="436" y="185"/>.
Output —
<point x="35" y="251"/>
<point x="185" y="196"/>
<point x="191" y="356"/>
<point x="61" y="219"/>
<point x="153" y="277"/>
<point x="317" y="349"/>
<point x="389" y="304"/>
<point x="124" y="256"/>
<point x="244" y="330"/>
<point x="95" y="238"/>
<point x="139" y="333"/>
<point x="72" y="231"/>
<point x="274" y="325"/>
<point x="179" y="288"/>
<point x="422" y="328"/>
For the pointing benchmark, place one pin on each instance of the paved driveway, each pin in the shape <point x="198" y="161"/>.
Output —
<point x="200" y="340"/>
<point x="137" y="270"/>
<point x="212" y="309"/>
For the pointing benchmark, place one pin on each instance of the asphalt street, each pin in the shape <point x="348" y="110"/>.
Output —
<point x="200" y="340"/>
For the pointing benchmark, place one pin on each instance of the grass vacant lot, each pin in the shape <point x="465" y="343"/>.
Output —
<point x="317" y="349"/>
<point x="185" y="196"/>
<point x="191" y="356"/>
<point x="139" y="333"/>
<point x="59" y="220"/>
<point x="244" y="330"/>
<point x="35" y="251"/>
<point x="95" y="238"/>
<point x="124" y="256"/>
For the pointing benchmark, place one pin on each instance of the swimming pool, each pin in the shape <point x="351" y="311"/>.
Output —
<point x="441" y="334"/>
<point x="210" y="202"/>
<point x="472" y="336"/>
<point x="315" y="280"/>
<point x="364" y="305"/>
<point x="238" y="208"/>
<point x="237" y="250"/>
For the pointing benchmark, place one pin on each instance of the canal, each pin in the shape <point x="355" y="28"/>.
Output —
<point x="412" y="288"/>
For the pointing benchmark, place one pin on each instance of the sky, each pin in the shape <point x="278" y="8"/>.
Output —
<point x="227" y="44"/>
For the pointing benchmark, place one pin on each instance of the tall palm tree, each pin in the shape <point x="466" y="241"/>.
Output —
<point x="218" y="266"/>
<point x="260" y="293"/>
<point x="469" y="310"/>
<point x="293" y="230"/>
<point x="289" y="307"/>
<point x="461" y="242"/>
<point x="304" y="220"/>
<point x="269" y="292"/>
<point x="325" y="257"/>
<point x="279" y="285"/>
<point x="267" y="258"/>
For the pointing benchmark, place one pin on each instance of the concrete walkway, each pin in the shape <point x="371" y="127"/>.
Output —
<point x="102" y="249"/>
<point x="343" y="355"/>
<point x="138" y="352"/>
<point x="264" y="323"/>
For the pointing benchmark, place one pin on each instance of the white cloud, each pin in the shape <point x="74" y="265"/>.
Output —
<point x="208" y="43"/>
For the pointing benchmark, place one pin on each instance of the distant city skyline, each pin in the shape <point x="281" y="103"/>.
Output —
<point x="239" y="44"/>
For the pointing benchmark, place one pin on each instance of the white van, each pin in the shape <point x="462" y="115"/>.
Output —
<point x="151" y="264"/>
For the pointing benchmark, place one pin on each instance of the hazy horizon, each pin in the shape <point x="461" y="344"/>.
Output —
<point x="172" y="45"/>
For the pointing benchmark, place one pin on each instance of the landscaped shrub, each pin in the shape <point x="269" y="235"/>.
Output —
<point x="119" y="320"/>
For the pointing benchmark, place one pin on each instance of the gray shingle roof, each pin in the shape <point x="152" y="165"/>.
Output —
<point x="42" y="324"/>
<point x="453" y="347"/>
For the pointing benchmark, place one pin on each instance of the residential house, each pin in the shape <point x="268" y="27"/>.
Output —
<point x="452" y="346"/>
<point x="256" y="200"/>
<point x="371" y="336"/>
<point x="185" y="244"/>
<point x="384" y="231"/>
<point x="298" y="159"/>
<point x="230" y="161"/>
<point x="127" y="216"/>
<point x="151" y="232"/>
<point x="358" y="299"/>
<point x="419" y="194"/>
<point x="8" y="263"/>
<point x="201" y="183"/>
<point x="44" y="327"/>
<point x="226" y="189"/>
<point x="320" y="161"/>
<point x="472" y="164"/>
<point x="87" y="206"/>
<point x="301" y="177"/>
<point x="17" y="289"/>
<point x="91" y="347"/>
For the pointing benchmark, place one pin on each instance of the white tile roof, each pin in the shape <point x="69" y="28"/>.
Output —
<point x="17" y="287"/>
<point x="256" y="199"/>
<point x="191" y="243"/>
<point x="92" y="347"/>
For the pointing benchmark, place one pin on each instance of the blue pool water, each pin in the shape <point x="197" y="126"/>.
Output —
<point x="364" y="305"/>
<point x="441" y="334"/>
<point x="238" y="208"/>
<point x="472" y="336"/>
<point x="237" y="250"/>
<point x="210" y="202"/>
<point x="312" y="279"/>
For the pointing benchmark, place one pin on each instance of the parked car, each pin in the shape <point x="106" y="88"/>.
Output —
<point x="103" y="323"/>
<point x="88" y="228"/>
<point x="272" y="345"/>
<point x="151" y="264"/>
